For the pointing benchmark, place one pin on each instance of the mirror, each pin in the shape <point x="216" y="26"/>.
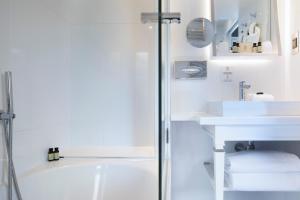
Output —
<point x="245" y="27"/>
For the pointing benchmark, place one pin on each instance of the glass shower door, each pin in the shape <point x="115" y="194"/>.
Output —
<point x="86" y="80"/>
<point x="166" y="18"/>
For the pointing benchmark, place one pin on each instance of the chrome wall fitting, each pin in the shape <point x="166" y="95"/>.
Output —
<point x="190" y="69"/>
<point x="167" y="18"/>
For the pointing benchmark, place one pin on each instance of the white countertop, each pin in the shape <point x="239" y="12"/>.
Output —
<point x="185" y="117"/>
<point x="206" y="119"/>
<point x="261" y="120"/>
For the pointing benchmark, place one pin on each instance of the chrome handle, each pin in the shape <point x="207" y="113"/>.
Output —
<point x="242" y="88"/>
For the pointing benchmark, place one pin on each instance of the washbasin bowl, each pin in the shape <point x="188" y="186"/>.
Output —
<point x="254" y="108"/>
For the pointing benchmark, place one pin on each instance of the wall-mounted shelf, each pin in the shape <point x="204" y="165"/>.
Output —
<point x="231" y="129"/>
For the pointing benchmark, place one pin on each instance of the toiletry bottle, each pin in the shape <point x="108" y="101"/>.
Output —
<point x="238" y="47"/>
<point x="234" y="48"/>
<point x="254" y="49"/>
<point x="259" y="48"/>
<point x="50" y="154"/>
<point x="56" y="153"/>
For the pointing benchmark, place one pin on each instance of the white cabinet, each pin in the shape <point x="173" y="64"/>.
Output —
<point x="256" y="128"/>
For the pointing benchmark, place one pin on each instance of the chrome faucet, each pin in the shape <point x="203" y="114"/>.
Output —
<point x="242" y="92"/>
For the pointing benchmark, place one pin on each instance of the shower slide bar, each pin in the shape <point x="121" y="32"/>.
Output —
<point x="7" y="120"/>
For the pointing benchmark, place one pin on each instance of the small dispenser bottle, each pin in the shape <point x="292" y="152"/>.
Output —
<point x="259" y="48"/>
<point x="254" y="48"/>
<point x="235" y="48"/>
<point x="238" y="47"/>
<point x="51" y="154"/>
<point x="56" y="153"/>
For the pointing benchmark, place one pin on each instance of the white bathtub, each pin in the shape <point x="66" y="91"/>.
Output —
<point x="92" y="179"/>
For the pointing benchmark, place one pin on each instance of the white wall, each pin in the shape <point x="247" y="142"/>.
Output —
<point x="295" y="59"/>
<point x="190" y="147"/>
<point x="4" y="34"/>
<point x="37" y="56"/>
<point x="190" y="96"/>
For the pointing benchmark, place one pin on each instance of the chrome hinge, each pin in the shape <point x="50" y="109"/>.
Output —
<point x="166" y="18"/>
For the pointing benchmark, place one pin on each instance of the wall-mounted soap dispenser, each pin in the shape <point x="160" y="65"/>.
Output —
<point x="190" y="69"/>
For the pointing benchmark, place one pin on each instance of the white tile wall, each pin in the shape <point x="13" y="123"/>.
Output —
<point x="4" y="60"/>
<point x="295" y="59"/>
<point x="102" y="11"/>
<point x="38" y="58"/>
<point x="112" y="78"/>
<point x="112" y="73"/>
<point x="4" y="33"/>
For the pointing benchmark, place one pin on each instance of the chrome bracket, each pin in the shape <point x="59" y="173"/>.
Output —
<point x="166" y="18"/>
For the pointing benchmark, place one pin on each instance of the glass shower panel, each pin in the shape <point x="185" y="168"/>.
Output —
<point x="86" y="76"/>
<point x="165" y="103"/>
<point x="112" y="73"/>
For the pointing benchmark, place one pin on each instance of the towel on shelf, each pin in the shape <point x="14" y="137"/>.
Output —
<point x="261" y="162"/>
<point x="263" y="181"/>
<point x="260" y="97"/>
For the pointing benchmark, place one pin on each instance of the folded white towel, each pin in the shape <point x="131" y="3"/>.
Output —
<point x="260" y="97"/>
<point x="261" y="162"/>
<point x="263" y="181"/>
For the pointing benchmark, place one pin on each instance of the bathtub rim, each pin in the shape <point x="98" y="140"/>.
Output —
<point x="143" y="163"/>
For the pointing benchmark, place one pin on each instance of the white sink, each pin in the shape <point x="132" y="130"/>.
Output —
<point x="254" y="108"/>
